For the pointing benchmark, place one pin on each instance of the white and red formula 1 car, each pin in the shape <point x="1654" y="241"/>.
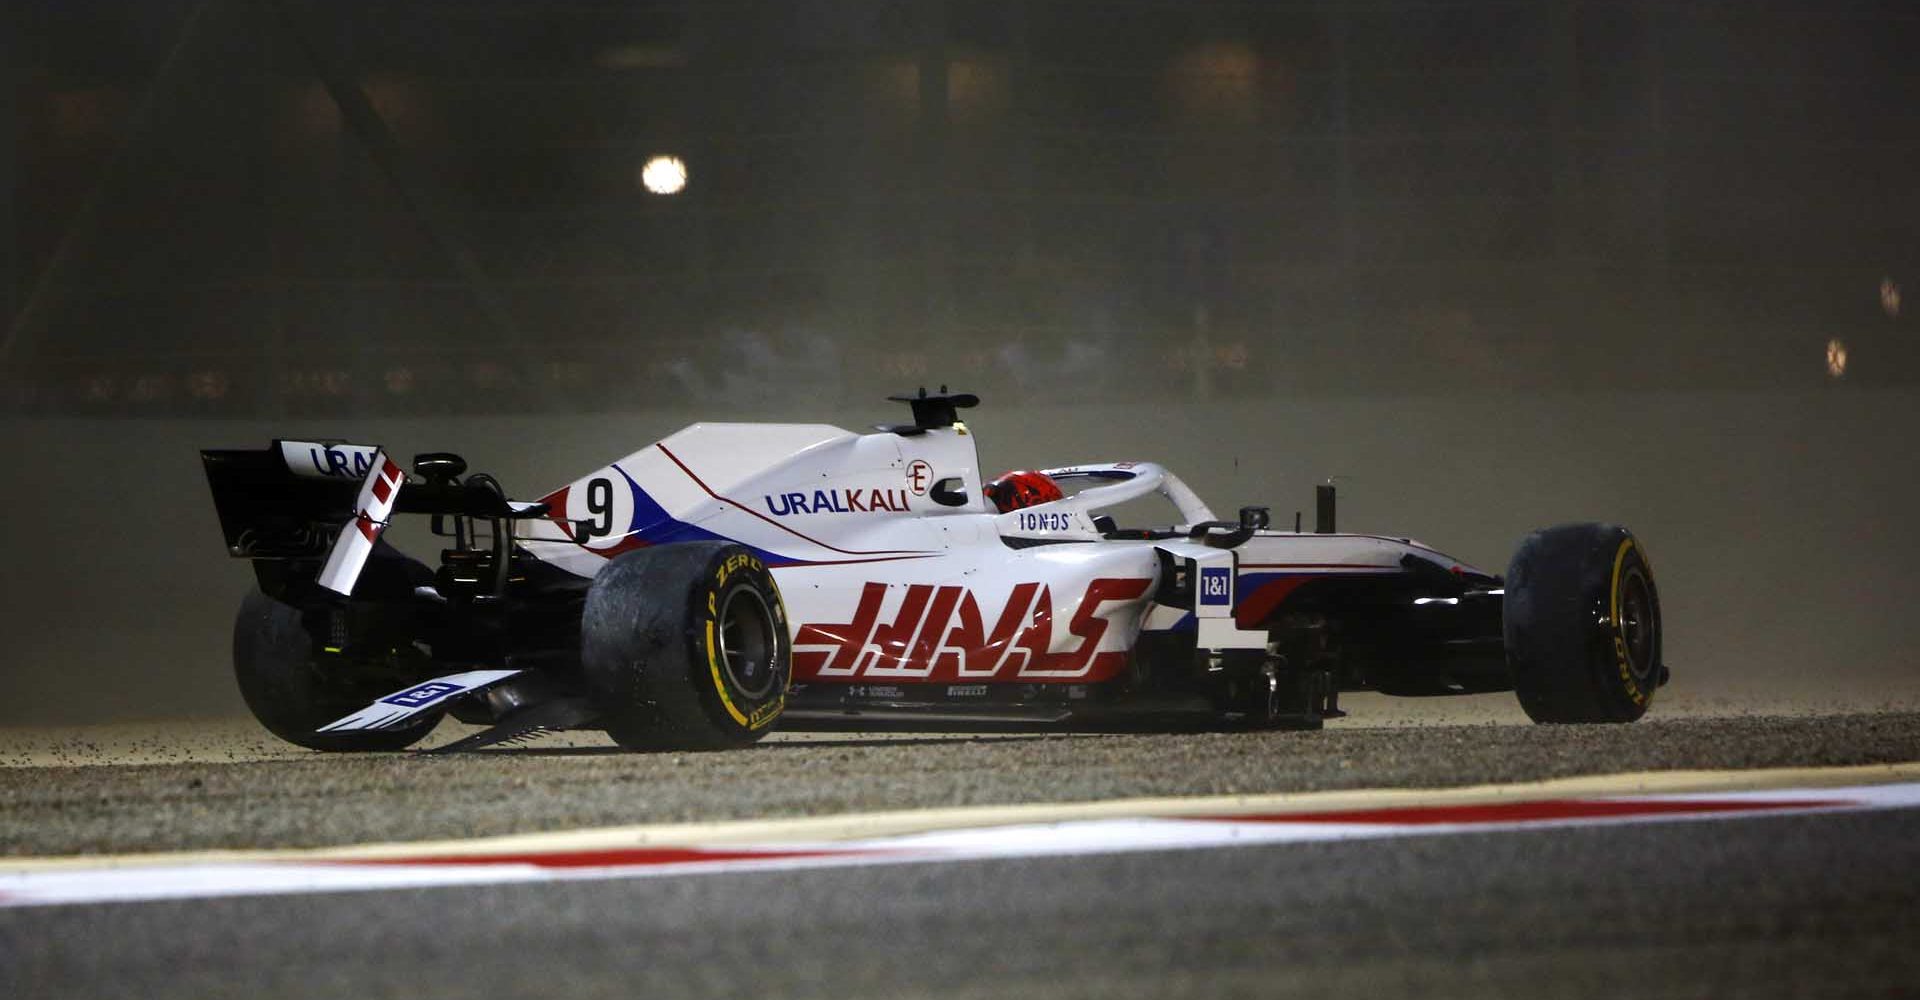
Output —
<point x="735" y="578"/>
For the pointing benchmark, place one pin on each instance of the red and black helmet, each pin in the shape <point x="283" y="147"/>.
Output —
<point x="1020" y="488"/>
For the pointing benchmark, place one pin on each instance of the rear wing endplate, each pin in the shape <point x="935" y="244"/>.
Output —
<point x="373" y="508"/>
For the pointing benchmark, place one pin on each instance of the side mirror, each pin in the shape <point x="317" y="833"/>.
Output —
<point x="949" y="492"/>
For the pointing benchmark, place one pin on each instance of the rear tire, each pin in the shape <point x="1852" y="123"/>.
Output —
<point x="1582" y="623"/>
<point x="686" y="647"/>
<point x="284" y="679"/>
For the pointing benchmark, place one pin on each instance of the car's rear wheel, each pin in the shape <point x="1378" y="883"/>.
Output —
<point x="686" y="647"/>
<point x="293" y="685"/>
<point x="1582" y="622"/>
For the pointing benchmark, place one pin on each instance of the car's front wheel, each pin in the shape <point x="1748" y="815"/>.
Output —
<point x="1582" y="622"/>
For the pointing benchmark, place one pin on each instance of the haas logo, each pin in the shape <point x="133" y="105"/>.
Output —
<point x="939" y="634"/>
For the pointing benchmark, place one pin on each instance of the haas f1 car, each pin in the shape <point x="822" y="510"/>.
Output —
<point x="736" y="578"/>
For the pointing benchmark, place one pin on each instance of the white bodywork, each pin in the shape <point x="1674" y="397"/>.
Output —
<point x="893" y="566"/>
<point x="884" y="582"/>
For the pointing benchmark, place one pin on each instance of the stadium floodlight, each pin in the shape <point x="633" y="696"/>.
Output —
<point x="664" y="175"/>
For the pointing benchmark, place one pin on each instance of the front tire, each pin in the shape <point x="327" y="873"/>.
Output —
<point x="686" y="647"/>
<point x="1582" y="623"/>
<point x="286" y="684"/>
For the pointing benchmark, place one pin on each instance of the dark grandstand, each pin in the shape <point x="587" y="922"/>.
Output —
<point x="297" y="208"/>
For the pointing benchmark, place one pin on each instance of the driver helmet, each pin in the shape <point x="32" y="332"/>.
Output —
<point x="1020" y="488"/>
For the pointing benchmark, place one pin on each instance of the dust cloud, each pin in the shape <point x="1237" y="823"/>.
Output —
<point x="1778" y="522"/>
<point x="1494" y="265"/>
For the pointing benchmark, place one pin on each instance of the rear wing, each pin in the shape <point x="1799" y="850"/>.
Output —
<point x="314" y="500"/>
<point x="294" y="500"/>
<point x="288" y="500"/>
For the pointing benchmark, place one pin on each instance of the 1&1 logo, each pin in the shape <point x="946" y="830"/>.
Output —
<point x="1215" y="585"/>
<point x="423" y="694"/>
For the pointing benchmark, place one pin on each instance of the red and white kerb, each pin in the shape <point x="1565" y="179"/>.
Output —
<point x="615" y="856"/>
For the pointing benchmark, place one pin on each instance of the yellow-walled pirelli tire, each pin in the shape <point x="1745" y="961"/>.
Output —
<point x="686" y="647"/>
<point x="1582" y="620"/>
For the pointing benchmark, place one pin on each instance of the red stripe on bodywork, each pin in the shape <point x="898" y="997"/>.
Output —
<point x="1537" y="811"/>
<point x="811" y="563"/>
<point x="382" y="489"/>
<point x="557" y="511"/>
<point x="1255" y="607"/>
<point x="626" y="544"/>
<point x="368" y="526"/>
<point x="697" y="481"/>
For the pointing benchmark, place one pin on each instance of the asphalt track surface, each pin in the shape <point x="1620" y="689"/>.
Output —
<point x="1811" y="905"/>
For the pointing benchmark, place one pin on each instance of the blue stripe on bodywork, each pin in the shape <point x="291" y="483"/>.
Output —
<point x="652" y="525"/>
